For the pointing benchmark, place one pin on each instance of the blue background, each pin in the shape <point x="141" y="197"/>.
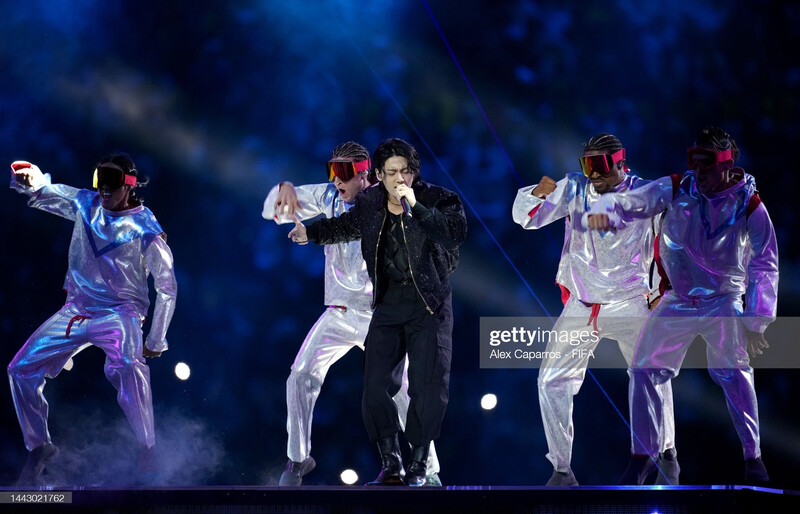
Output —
<point x="218" y="101"/>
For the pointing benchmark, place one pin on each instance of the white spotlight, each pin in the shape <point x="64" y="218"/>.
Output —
<point x="349" y="477"/>
<point x="182" y="371"/>
<point x="489" y="401"/>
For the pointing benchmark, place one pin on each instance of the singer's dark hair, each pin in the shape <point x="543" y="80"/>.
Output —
<point x="396" y="147"/>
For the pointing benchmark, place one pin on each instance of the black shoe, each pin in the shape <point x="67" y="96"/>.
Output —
<point x="669" y="469"/>
<point x="639" y="467"/>
<point x="755" y="473"/>
<point x="293" y="475"/>
<point x="35" y="464"/>
<point x="417" y="470"/>
<point x="392" y="471"/>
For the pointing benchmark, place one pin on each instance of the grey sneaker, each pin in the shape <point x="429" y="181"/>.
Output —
<point x="293" y="475"/>
<point x="562" y="479"/>
<point x="669" y="468"/>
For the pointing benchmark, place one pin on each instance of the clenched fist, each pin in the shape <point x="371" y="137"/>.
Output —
<point x="544" y="188"/>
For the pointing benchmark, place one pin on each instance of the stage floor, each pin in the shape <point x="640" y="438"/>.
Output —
<point x="362" y="500"/>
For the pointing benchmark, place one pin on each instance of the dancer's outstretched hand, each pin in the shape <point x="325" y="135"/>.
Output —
<point x="26" y="173"/>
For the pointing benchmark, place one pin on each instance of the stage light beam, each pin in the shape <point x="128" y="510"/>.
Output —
<point x="489" y="401"/>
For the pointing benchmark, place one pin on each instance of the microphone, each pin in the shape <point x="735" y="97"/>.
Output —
<point x="406" y="207"/>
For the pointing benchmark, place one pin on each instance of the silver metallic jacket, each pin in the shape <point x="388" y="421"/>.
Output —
<point x="709" y="245"/>
<point x="596" y="267"/>
<point x="347" y="283"/>
<point x="110" y="256"/>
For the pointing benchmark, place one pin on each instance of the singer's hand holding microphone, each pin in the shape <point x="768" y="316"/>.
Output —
<point x="406" y="196"/>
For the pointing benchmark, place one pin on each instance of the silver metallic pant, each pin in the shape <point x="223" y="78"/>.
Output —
<point x="67" y="332"/>
<point x="665" y="339"/>
<point x="561" y="377"/>
<point x="334" y="334"/>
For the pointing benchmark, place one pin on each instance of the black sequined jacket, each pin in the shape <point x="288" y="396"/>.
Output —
<point x="433" y="232"/>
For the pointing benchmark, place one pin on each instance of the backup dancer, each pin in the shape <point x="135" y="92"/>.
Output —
<point x="116" y="243"/>
<point x="604" y="281"/>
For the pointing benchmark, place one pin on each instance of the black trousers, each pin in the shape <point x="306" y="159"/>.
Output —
<point x="402" y="325"/>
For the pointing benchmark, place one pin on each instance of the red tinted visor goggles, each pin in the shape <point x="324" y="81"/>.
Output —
<point x="112" y="177"/>
<point x="707" y="157"/>
<point x="346" y="170"/>
<point x="602" y="163"/>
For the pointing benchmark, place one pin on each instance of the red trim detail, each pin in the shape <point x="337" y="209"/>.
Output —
<point x="533" y="211"/>
<point x="593" y="316"/>
<point x="676" y="184"/>
<point x="753" y="204"/>
<point x="77" y="317"/>
<point x="565" y="294"/>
